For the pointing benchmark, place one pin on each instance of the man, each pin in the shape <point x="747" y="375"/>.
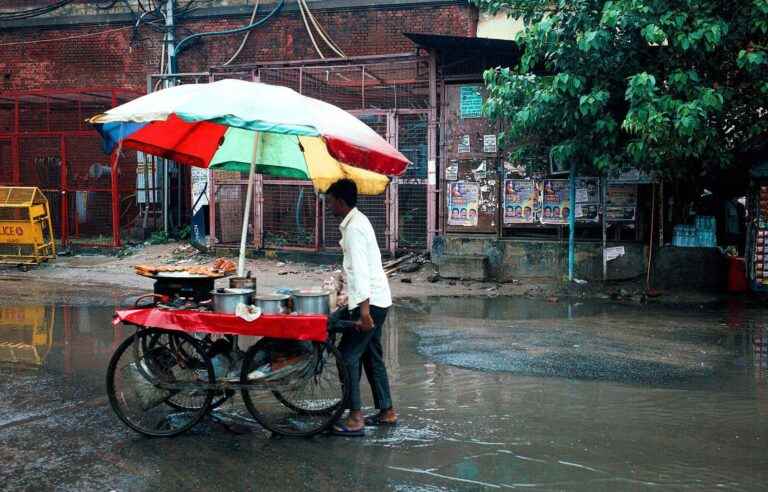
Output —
<point x="472" y="216"/>
<point x="368" y="301"/>
<point x="509" y="213"/>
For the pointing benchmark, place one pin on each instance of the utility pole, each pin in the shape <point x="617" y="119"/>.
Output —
<point x="170" y="42"/>
<point x="170" y="39"/>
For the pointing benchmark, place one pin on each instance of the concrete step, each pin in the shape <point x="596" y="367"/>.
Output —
<point x="463" y="267"/>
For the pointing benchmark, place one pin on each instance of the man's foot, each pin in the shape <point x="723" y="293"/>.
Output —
<point x="383" y="418"/>
<point x="354" y="425"/>
<point x="344" y="430"/>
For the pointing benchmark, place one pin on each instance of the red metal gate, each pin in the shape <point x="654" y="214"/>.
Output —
<point x="45" y="142"/>
<point x="394" y="96"/>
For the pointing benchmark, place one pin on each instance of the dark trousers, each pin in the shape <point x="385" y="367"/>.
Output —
<point x="361" y="350"/>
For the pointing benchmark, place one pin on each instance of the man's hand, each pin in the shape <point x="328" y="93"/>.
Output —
<point x="365" y="323"/>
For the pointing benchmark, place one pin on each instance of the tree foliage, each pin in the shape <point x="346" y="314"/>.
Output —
<point x="676" y="86"/>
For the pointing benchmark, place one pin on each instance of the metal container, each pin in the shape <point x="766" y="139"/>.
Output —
<point x="243" y="283"/>
<point x="272" y="303"/>
<point x="311" y="301"/>
<point x="226" y="300"/>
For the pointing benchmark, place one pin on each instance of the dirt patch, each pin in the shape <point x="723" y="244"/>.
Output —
<point x="111" y="277"/>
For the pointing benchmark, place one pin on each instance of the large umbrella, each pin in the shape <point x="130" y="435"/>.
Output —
<point x="247" y="126"/>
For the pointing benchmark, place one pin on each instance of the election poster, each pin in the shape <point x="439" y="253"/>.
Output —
<point x="463" y="203"/>
<point x="555" y="205"/>
<point x="621" y="202"/>
<point x="520" y="200"/>
<point x="587" y="199"/>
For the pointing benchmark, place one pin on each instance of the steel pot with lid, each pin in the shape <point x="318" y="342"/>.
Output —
<point x="226" y="300"/>
<point x="311" y="301"/>
<point x="272" y="303"/>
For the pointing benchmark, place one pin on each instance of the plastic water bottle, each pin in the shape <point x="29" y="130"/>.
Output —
<point x="221" y="365"/>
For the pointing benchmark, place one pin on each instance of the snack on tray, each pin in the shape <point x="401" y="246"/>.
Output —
<point x="221" y="265"/>
<point x="224" y="265"/>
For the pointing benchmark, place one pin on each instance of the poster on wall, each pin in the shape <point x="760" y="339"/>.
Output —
<point x="465" y="145"/>
<point x="470" y="101"/>
<point x="587" y="199"/>
<point x="463" y="203"/>
<point x="452" y="171"/>
<point x="555" y="205"/>
<point x="520" y="200"/>
<point x="621" y="203"/>
<point x="489" y="144"/>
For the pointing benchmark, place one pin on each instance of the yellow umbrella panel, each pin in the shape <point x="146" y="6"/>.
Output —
<point x="291" y="156"/>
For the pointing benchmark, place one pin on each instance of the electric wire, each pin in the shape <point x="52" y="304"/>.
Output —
<point x="254" y="25"/>
<point x="36" y="12"/>
<point x="323" y="35"/>
<point x="309" y="31"/>
<point x="245" y="38"/>
<point x="67" y="38"/>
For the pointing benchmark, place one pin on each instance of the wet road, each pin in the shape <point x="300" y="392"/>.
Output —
<point x="493" y="394"/>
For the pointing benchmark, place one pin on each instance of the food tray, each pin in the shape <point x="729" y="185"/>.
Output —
<point x="182" y="275"/>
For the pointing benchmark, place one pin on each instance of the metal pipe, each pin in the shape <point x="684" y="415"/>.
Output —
<point x="572" y="223"/>
<point x="115" y="198"/>
<point x="64" y="196"/>
<point x="248" y="199"/>
<point x="432" y="180"/>
<point x="604" y="195"/>
<point x="650" y="245"/>
<point x="212" y="208"/>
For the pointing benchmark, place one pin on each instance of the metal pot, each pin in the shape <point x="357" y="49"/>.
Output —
<point x="243" y="283"/>
<point x="226" y="300"/>
<point x="272" y="303"/>
<point x="312" y="302"/>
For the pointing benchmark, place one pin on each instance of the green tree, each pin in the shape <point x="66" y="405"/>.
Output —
<point x="675" y="86"/>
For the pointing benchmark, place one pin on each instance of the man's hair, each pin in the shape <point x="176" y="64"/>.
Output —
<point x="346" y="190"/>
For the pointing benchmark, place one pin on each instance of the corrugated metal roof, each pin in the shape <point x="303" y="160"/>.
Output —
<point x="486" y="45"/>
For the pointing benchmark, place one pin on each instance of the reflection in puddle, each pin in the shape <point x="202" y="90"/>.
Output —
<point x="26" y="334"/>
<point x="59" y="339"/>
<point x="460" y="428"/>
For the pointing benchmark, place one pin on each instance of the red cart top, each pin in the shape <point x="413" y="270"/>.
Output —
<point x="290" y="326"/>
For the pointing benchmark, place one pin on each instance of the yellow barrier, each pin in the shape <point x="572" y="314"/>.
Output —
<point x="26" y="334"/>
<point x="26" y="232"/>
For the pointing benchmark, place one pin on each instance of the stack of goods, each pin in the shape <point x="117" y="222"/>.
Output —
<point x="220" y="267"/>
<point x="706" y="231"/>
<point x="761" y="258"/>
<point x="700" y="235"/>
<point x="761" y="265"/>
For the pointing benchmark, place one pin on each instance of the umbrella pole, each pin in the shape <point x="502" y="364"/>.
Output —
<point x="248" y="199"/>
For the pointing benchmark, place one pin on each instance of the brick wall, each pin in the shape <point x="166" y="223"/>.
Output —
<point x="117" y="58"/>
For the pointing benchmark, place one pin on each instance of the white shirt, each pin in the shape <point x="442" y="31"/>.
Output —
<point x="362" y="262"/>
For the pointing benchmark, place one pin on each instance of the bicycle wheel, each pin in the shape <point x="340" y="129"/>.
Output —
<point x="181" y="348"/>
<point x="147" y="370"/>
<point x="297" y="401"/>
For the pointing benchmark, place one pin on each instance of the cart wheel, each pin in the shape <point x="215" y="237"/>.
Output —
<point x="140" y="373"/>
<point x="24" y="268"/>
<point x="300" y="399"/>
<point x="186" y="352"/>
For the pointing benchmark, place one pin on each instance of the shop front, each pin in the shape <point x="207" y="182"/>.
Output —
<point x="503" y="222"/>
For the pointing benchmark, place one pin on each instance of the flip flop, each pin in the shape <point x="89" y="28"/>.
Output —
<point x="343" y="430"/>
<point x="375" y="420"/>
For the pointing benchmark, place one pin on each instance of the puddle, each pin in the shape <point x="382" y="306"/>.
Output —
<point x="492" y="394"/>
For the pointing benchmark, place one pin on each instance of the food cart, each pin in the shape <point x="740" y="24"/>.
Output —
<point x="163" y="379"/>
